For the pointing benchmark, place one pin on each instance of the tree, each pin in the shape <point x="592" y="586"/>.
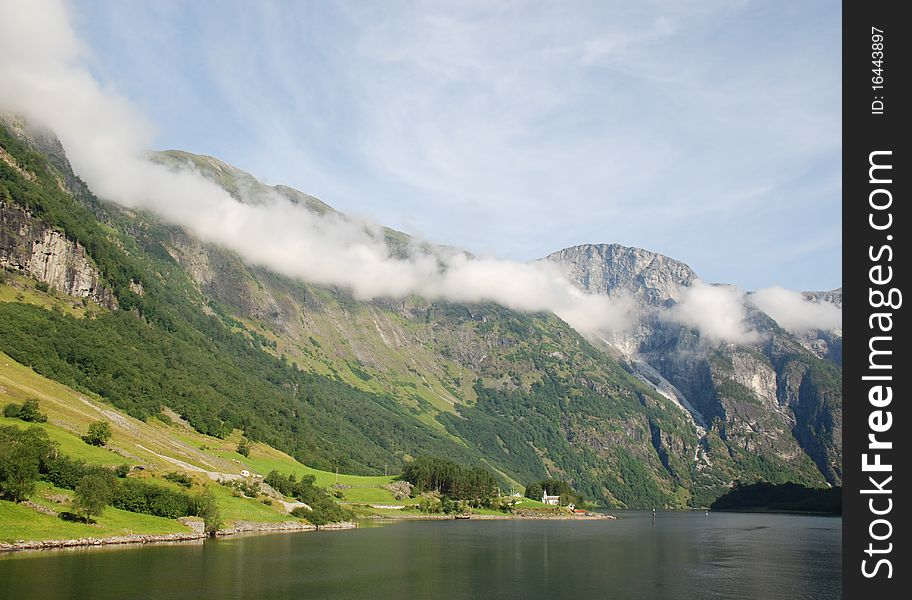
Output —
<point x="27" y="411"/>
<point x="93" y="493"/>
<point x="207" y="508"/>
<point x="99" y="433"/>
<point x="243" y="447"/>
<point x="21" y="455"/>
<point x="554" y="487"/>
<point x="30" y="412"/>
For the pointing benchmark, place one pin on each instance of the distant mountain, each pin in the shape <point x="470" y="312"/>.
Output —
<point x="158" y="318"/>
<point x="775" y="400"/>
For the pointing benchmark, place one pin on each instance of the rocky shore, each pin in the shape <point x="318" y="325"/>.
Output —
<point x="523" y="517"/>
<point x="196" y="534"/>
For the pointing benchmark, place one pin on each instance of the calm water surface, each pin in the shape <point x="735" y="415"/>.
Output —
<point x="682" y="556"/>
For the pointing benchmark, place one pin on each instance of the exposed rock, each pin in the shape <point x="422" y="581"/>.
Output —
<point x="758" y="399"/>
<point x="195" y="524"/>
<point x="612" y="269"/>
<point x="30" y="246"/>
<point x="195" y="535"/>
<point x="39" y="508"/>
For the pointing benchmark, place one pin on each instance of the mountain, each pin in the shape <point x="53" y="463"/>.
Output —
<point x="780" y="398"/>
<point x="611" y="269"/>
<point x="151" y="319"/>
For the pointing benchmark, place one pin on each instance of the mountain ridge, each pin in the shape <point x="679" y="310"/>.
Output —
<point x="522" y="393"/>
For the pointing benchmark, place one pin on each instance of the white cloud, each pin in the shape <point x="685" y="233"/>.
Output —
<point x="719" y="313"/>
<point x="795" y="312"/>
<point x="106" y="140"/>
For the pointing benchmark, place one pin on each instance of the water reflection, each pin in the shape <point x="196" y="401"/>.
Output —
<point x="680" y="555"/>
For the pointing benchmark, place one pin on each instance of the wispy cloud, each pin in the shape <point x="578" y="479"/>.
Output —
<point x="719" y="313"/>
<point x="520" y="128"/>
<point x="106" y="140"/>
<point x="795" y="312"/>
<point x="451" y="105"/>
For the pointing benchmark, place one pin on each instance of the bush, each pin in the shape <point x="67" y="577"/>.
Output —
<point x="325" y="509"/>
<point x="181" y="479"/>
<point x="243" y="447"/>
<point x="138" y="496"/>
<point x="300" y="512"/>
<point x="93" y="493"/>
<point x="122" y="470"/>
<point x="99" y="433"/>
<point x="42" y="286"/>
<point x="430" y="504"/>
<point x="28" y="411"/>
<point x="64" y="472"/>
<point x="205" y="507"/>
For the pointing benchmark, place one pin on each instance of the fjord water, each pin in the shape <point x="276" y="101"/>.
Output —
<point x="683" y="555"/>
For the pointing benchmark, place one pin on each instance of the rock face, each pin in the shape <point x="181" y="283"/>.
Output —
<point x="774" y="403"/>
<point x="612" y="269"/>
<point x="29" y="246"/>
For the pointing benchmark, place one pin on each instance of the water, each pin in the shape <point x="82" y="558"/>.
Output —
<point x="684" y="555"/>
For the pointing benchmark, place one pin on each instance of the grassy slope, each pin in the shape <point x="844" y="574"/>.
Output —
<point x="156" y="446"/>
<point x="19" y="522"/>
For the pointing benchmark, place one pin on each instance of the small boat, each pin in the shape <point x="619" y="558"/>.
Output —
<point x="463" y="517"/>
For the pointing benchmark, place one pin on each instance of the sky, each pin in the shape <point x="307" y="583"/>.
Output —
<point x="707" y="131"/>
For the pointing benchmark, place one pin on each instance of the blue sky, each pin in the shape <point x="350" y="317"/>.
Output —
<point x="708" y="131"/>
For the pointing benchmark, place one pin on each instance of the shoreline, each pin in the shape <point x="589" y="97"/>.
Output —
<point x="419" y="517"/>
<point x="195" y="535"/>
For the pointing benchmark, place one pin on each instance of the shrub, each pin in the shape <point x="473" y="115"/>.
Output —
<point x="181" y="479"/>
<point x="27" y="411"/>
<point x="99" y="433"/>
<point x="243" y="447"/>
<point x="205" y="507"/>
<point x="325" y="509"/>
<point x="64" y="472"/>
<point x="430" y="504"/>
<point x="122" y="470"/>
<point x="138" y="496"/>
<point x="300" y="512"/>
<point x="30" y="412"/>
<point x="42" y="286"/>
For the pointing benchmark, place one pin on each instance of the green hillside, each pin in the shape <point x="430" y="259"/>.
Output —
<point x="159" y="446"/>
<point x="360" y="387"/>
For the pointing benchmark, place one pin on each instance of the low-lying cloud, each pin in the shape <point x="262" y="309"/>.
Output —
<point x="44" y="78"/>
<point x="719" y="313"/>
<point x="795" y="312"/>
<point x="106" y="139"/>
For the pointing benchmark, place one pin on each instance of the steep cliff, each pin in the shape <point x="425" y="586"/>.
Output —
<point x="28" y="245"/>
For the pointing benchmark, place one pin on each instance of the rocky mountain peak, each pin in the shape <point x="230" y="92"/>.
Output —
<point x="613" y="269"/>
